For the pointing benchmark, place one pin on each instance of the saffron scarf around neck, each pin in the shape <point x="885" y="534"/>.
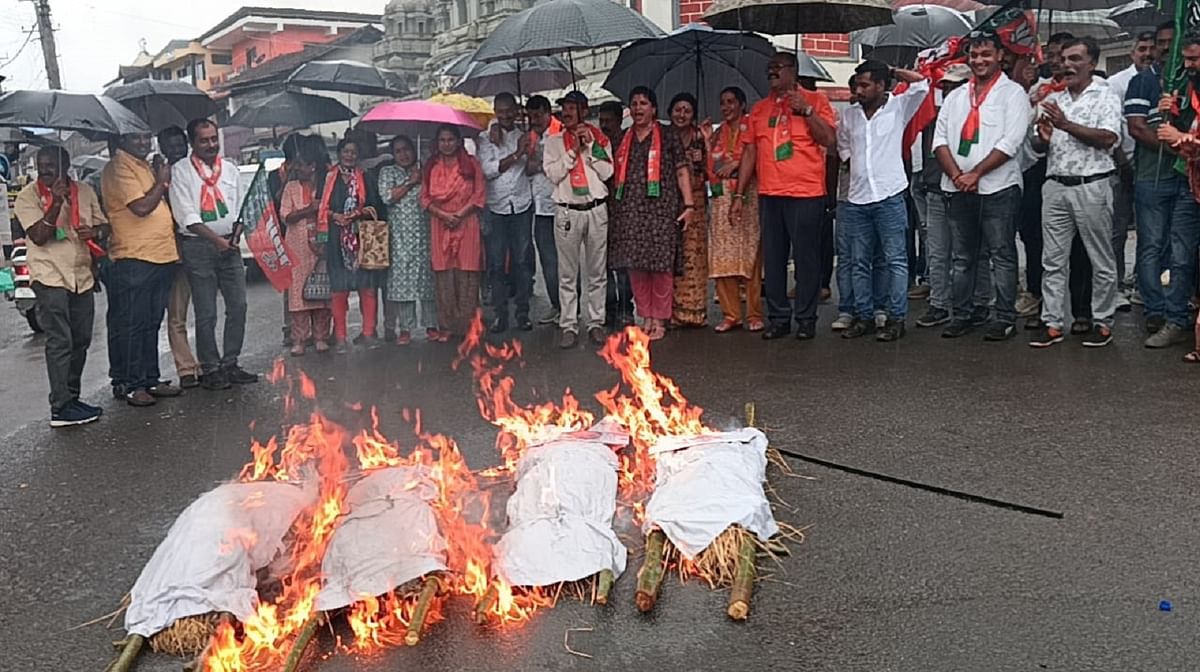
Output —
<point x="970" y="130"/>
<point x="47" y="198"/>
<point x="324" y="211"/>
<point x="653" y="161"/>
<point x="725" y="148"/>
<point x="600" y="151"/>
<point x="212" y="202"/>
<point x="781" y="122"/>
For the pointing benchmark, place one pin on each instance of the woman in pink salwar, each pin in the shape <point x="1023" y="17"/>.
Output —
<point x="298" y="209"/>
<point x="453" y="192"/>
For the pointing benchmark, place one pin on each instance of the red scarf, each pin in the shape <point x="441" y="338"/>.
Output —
<point x="1044" y="90"/>
<point x="653" y="162"/>
<point x="553" y="128"/>
<point x="725" y="147"/>
<point x="970" y="129"/>
<point x="600" y="152"/>
<point x="47" y="198"/>
<point x="324" y="211"/>
<point x="781" y="121"/>
<point x="212" y="203"/>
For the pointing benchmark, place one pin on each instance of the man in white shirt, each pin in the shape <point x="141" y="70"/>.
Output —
<point x="204" y="202"/>
<point x="538" y="108"/>
<point x="980" y="128"/>
<point x="1078" y="131"/>
<point x="869" y="136"/>
<point x="503" y="151"/>
<point x="578" y="161"/>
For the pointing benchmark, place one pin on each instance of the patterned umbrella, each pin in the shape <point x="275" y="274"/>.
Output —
<point x="163" y="103"/>
<point x="556" y="26"/>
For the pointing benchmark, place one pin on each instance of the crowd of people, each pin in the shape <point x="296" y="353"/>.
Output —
<point x="642" y="218"/>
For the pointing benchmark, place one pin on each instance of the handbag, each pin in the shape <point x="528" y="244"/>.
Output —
<point x="374" y="245"/>
<point x="316" y="287"/>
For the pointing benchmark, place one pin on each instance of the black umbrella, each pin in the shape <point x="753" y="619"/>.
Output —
<point x="93" y="116"/>
<point x="917" y="27"/>
<point x="775" y="17"/>
<point x="564" y="25"/>
<point x="537" y="73"/>
<point x="347" y="77"/>
<point x="695" y="59"/>
<point x="290" y="109"/>
<point x="1142" y="15"/>
<point x="163" y="103"/>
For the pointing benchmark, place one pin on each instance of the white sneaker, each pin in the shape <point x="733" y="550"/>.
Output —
<point x="842" y="322"/>
<point x="1169" y="335"/>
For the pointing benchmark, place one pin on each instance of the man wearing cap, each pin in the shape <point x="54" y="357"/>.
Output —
<point x="578" y="161"/>
<point x="980" y="128"/>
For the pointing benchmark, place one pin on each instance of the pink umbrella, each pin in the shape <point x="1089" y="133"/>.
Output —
<point x="417" y="117"/>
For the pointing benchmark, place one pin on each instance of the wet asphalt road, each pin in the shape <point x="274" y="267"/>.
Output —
<point x="888" y="579"/>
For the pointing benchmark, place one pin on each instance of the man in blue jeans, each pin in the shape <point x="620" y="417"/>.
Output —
<point x="869" y="136"/>
<point x="980" y="128"/>
<point x="1161" y="198"/>
<point x="504" y="151"/>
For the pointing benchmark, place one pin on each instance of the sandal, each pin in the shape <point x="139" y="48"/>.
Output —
<point x="322" y="346"/>
<point x="403" y="338"/>
<point x="727" y="324"/>
<point x="1192" y="357"/>
<point x="432" y="334"/>
<point x="755" y="325"/>
<point x="298" y="350"/>
<point x="444" y="337"/>
<point x="657" y="332"/>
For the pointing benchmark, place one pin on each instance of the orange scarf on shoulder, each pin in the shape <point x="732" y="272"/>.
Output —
<point x="600" y="152"/>
<point x="653" y="162"/>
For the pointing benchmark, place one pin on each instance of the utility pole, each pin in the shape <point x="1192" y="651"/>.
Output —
<point x="49" y="49"/>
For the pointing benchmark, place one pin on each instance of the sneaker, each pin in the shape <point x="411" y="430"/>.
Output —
<point x="216" y="381"/>
<point x="1154" y="323"/>
<point x="979" y="316"/>
<point x="569" y="340"/>
<point x="189" y="381"/>
<point x="933" y="317"/>
<point x="1099" y="337"/>
<point x="859" y="328"/>
<point x="239" y="376"/>
<point x="524" y="324"/>
<point x="1000" y="331"/>
<point x="1048" y="337"/>
<point x="140" y="399"/>
<point x="778" y="330"/>
<point x="806" y="331"/>
<point x="893" y="330"/>
<point x="843" y="322"/>
<point x="1080" y="327"/>
<point x="73" y="414"/>
<point x="1028" y="305"/>
<point x="880" y="319"/>
<point x="88" y="407"/>
<point x="597" y="337"/>
<point x="550" y="319"/>
<point x="918" y="292"/>
<point x="164" y="390"/>
<point x="1169" y="335"/>
<point x="956" y="329"/>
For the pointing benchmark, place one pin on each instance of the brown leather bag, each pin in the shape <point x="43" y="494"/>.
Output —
<point x="374" y="246"/>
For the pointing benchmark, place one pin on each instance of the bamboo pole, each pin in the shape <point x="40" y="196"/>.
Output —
<point x="750" y="414"/>
<point x="429" y="590"/>
<point x="743" y="579"/>
<point x="604" y="585"/>
<point x="651" y="574"/>
<point x="131" y="648"/>
<point x="485" y="604"/>
<point x="306" y="635"/>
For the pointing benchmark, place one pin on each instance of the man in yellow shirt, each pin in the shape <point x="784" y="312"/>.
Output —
<point x="60" y="218"/>
<point x="145" y="258"/>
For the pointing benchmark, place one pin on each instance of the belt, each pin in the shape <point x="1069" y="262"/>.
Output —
<point x="1076" y="181"/>
<point x="582" y="207"/>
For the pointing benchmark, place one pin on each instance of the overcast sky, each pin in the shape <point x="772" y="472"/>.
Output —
<point x="96" y="36"/>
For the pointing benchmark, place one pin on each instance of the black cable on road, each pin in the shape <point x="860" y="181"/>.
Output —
<point x="936" y="489"/>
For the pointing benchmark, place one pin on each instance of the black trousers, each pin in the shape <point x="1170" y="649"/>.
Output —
<point x="509" y="247"/>
<point x="66" y="318"/>
<point x="792" y="228"/>
<point x="618" y="299"/>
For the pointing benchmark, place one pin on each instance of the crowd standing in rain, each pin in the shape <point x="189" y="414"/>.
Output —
<point x="632" y="223"/>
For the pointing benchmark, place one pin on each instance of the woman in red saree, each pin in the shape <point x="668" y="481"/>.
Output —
<point x="454" y="192"/>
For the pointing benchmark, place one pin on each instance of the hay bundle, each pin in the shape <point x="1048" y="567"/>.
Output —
<point x="187" y="636"/>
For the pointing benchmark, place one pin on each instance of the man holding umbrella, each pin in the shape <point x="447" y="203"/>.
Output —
<point x="144" y="257"/>
<point x="204" y="195"/>
<point x="60" y="217"/>
<point x="503" y="150"/>
<point x="789" y="133"/>
<point x="578" y="161"/>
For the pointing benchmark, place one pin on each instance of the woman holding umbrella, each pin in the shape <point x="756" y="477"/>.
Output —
<point x="454" y="190"/>
<point x="653" y="205"/>
<point x="410" y="293"/>
<point x="345" y="195"/>
<point x="691" y="285"/>
<point x="734" y="254"/>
